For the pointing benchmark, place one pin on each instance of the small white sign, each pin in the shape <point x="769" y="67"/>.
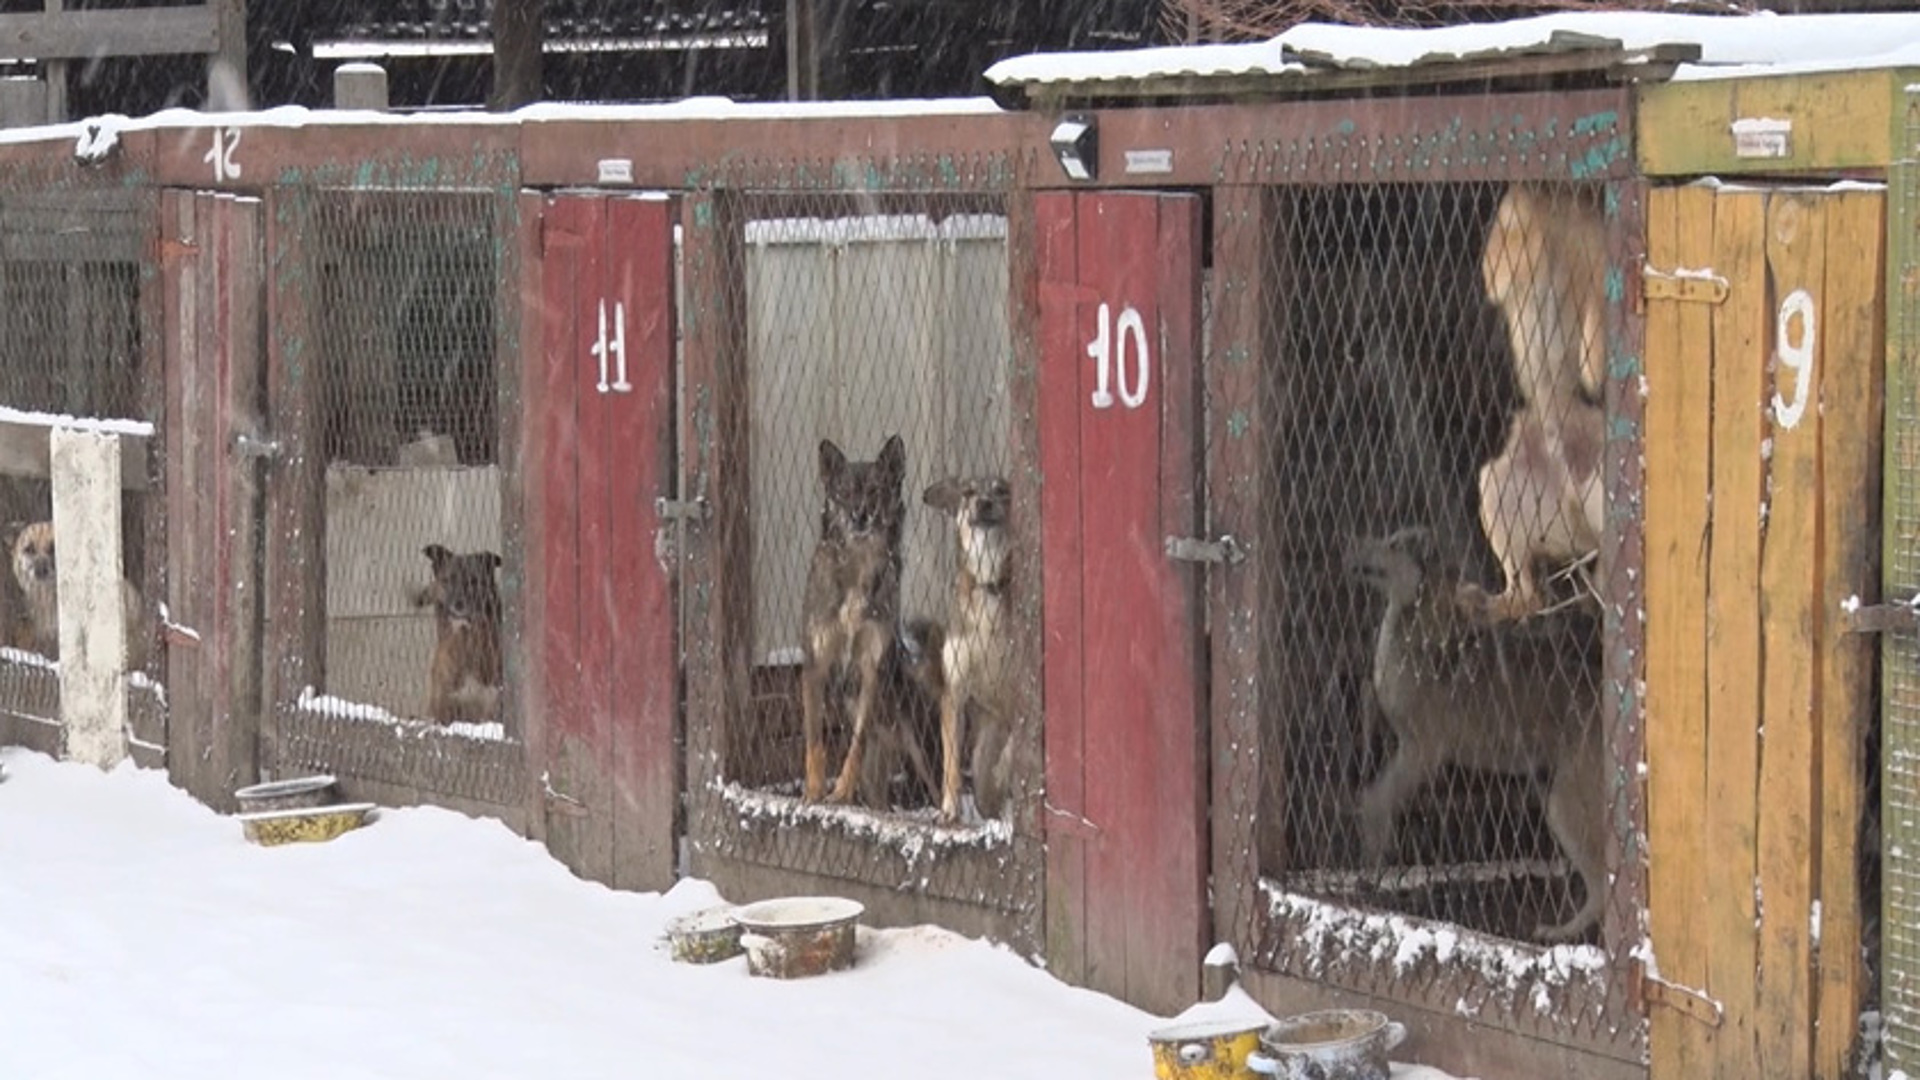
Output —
<point x="616" y="170"/>
<point x="1762" y="137"/>
<point x="1149" y="162"/>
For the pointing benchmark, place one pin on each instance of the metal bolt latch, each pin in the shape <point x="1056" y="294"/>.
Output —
<point x="1225" y="550"/>
<point x="683" y="509"/>
<point x="249" y="447"/>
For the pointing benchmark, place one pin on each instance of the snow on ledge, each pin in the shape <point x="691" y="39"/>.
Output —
<point x="1328" y="934"/>
<point x="24" y="418"/>
<point x="914" y="835"/>
<point x="341" y="709"/>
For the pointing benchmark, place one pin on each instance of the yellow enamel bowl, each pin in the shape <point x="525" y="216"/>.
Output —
<point x="1206" y="1049"/>
<point x="314" y="824"/>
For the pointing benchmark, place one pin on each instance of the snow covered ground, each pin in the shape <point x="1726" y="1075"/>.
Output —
<point x="141" y="936"/>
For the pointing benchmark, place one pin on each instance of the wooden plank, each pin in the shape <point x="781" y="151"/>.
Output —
<point x="1173" y="933"/>
<point x="23" y="453"/>
<point x="1741" y="330"/>
<point x="179" y="283"/>
<point x="1679" y="372"/>
<point x="525" y="371"/>
<point x="1790" y="614"/>
<point x="643" y="686"/>
<point x="1063" y="615"/>
<point x="78" y="35"/>
<point x="236" y="532"/>
<point x="1852" y="345"/>
<point x="568" y="230"/>
<point x="1840" y="120"/>
<point x="591" y="778"/>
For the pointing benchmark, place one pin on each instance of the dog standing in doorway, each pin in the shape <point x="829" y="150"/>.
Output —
<point x="974" y="655"/>
<point x="852" y="606"/>
<point x="464" y="683"/>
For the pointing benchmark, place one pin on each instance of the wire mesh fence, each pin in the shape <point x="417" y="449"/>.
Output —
<point x="402" y="422"/>
<point x="878" y="590"/>
<point x="73" y="262"/>
<point x="1432" y="624"/>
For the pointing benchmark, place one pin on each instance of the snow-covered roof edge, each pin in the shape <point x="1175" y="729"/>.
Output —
<point x="1729" y="45"/>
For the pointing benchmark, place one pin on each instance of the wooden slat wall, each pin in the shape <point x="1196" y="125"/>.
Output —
<point x="1760" y="514"/>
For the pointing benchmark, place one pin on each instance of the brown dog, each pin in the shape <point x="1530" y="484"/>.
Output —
<point x="1496" y="699"/>
<point x="465" y="679"/>
<point x="852" y="605"/>
<point x="974" y="656"/>
<point x="1545" y="268"/>
<point x="36" y="572"/>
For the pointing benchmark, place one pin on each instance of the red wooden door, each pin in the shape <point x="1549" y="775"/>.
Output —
<point x="212" y="292"/>
<point x="1120" y="424"/>
<point x="602" y="646"/>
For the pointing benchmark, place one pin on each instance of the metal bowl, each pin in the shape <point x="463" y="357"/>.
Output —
<point x="313" y="824"/>
<point x="705" y="937"/>
<point x="293" y="794"/>
<point x="798" y="936"/>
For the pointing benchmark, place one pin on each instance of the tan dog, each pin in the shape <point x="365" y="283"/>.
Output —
<point x="852" y="606"/>
<point x="465" y="680"/>
<point x="36" y="572"/>
<point x="1496" y="699"/>
<point x="1545" y="268"/>
<point x="974" y="656"/>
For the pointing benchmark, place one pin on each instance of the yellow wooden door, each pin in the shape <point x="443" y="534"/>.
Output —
<point x="1764" y="349"/>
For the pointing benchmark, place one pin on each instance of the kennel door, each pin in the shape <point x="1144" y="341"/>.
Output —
<point x="600" y="612"/>
<point x="1119" y="449"/>
<point x="214" y="298"/>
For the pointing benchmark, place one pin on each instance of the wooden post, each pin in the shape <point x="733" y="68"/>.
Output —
<point x="360" y="86"/>
<point x="803" y="63"/>
<point x="56" y="74"/>
<point x="23" y="102"/>
<point x="93" y="628"/>
<point x="227" y="89"/>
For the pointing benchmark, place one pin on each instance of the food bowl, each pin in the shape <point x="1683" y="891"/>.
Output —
<point x="301" y="791"/>
<point x="1333" y="1044"/>
<point x="705" y="937"/>
<point x="1205" y="1049"/>
<point x="310" y="824"/>
<point x="798" y="936"/>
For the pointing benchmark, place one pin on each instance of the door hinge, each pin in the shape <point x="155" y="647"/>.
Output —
<point x="697" y="509"/>
<point x="1225" y="550"/>
<point x="1684" y="999"/>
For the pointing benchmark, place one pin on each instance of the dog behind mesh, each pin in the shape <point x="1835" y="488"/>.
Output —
<point x="1501" y="700"/>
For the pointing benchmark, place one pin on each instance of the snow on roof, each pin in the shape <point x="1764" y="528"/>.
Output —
<point x="1729" y="45"/>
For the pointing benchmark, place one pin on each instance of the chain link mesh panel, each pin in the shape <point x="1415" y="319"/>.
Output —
<point x="400" y="299"/>
<point x="877" y="368"/>
<point x="1436" y="751"/>
<point x="73" y="265"/>
<point x="1897" y="933"/>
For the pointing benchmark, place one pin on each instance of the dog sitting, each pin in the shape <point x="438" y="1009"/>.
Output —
<point x="464" y="683"/>
<point x="1456" y="692"/>
<point x="1544" y="266"/>
<point x="903" y="738"/>
<point x="974" y="655"/>
<point x="852" y="606"/>
<point x="35" y="570"/>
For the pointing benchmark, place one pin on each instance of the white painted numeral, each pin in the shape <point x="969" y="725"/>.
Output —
<point x="614" y="350"/>
<point x="1796" y="355"/>
<point x="220" y="156"/>
<point x="1109" y="352"/>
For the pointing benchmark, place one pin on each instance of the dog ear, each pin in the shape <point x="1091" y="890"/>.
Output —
<point x="944" y="495"/>
<point x="494" y="561"/>
<point x="437" y="555"/>
<point x="893" y="457"/>
<point x="832" y="461"/>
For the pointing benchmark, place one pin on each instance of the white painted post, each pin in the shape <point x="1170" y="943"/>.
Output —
<point x="93" y="626"/>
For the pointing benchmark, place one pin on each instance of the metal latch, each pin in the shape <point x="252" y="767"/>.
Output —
<point x="1881" y="618"/>
<point x="249" y="447"/>
<point x="1193" y="549"/>
<point x="1692" y="287"/>
<point x="1683" y="999"/>
<point x="683" y="509"/>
